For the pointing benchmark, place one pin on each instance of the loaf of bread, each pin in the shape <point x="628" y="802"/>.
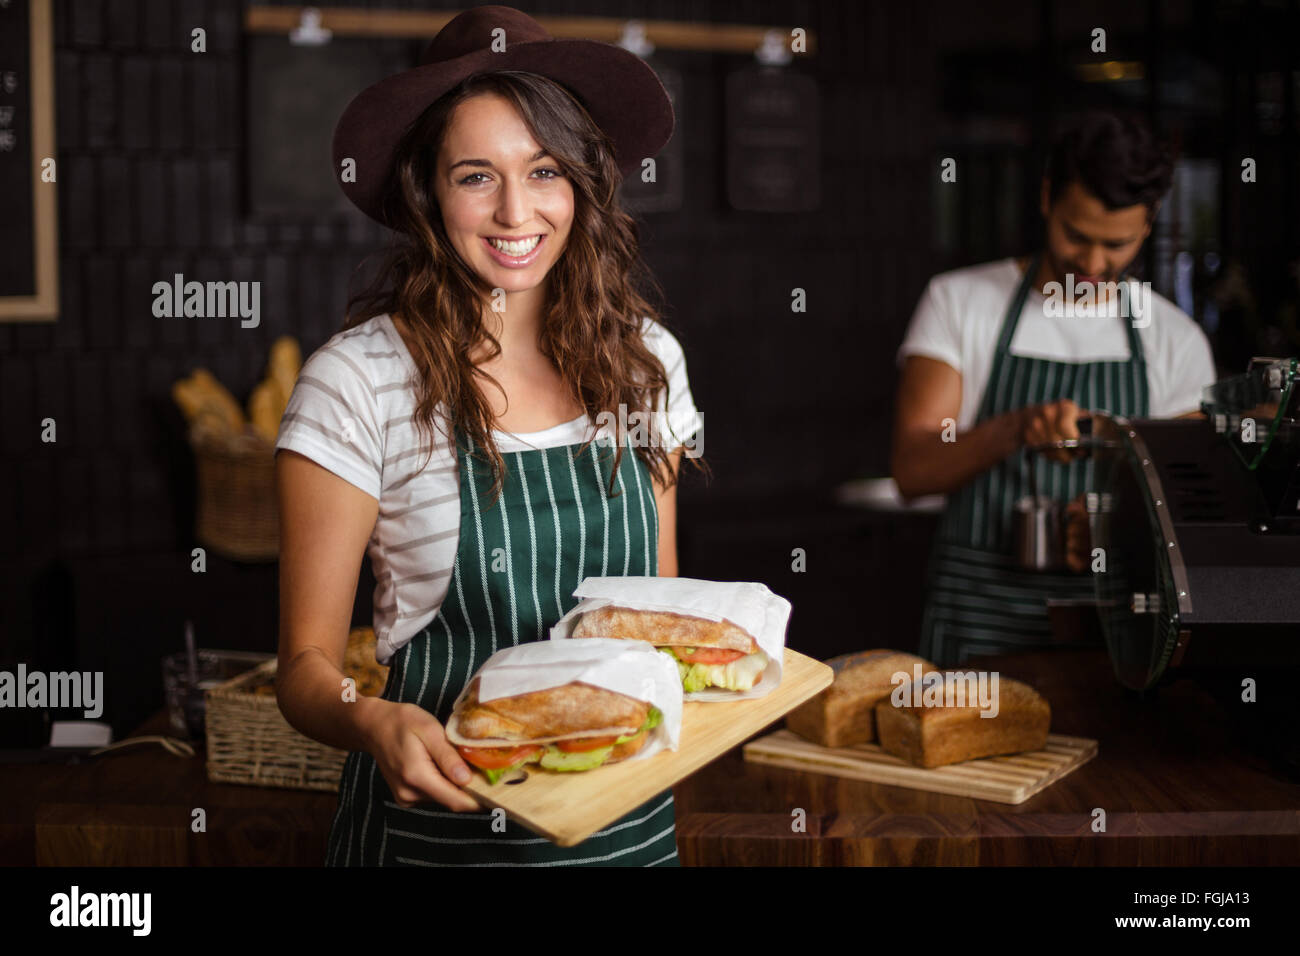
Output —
<point x="270" y="397"/>
<point x="265" y="410"/>
<point x="207" y="404"/>
<point x="359" y="663"/>
<point x="284" y="365"/>
<point x="933" y="736"/>
<point x="844" y="713"/>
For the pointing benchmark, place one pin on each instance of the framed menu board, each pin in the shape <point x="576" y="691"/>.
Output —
<point x="29" y="279"/>
<point x="773" y="145"/>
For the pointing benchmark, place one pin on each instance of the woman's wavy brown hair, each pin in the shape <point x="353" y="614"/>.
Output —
<point x="591" y="328"/>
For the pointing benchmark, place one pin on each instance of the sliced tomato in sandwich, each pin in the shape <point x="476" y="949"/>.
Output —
<point x="707" y="655"/>
<point x="498" y="758"/>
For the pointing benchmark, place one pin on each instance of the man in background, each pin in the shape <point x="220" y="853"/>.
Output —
<point x="1014" y="353"/>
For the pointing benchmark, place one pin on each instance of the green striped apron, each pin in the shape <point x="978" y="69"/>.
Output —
<point x="980" y="600"/>
<point x="517" y="565"/>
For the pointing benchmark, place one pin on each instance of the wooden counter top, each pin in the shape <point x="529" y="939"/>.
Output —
<point x="1178" y="789"/>
<point x="134" y="807"/>
<point x="1176" y="786"/>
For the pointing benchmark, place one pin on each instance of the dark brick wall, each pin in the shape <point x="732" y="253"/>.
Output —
<point x="97" y="528"/>
<point x="150" y="172"/>
<point x="149" y="149"/>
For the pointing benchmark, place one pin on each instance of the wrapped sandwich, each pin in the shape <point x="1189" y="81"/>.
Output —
<point x="572" y="727"/>
<point x="726" y="638"/>
<point x="565" y="708"/>
<point x="707" y="653"/>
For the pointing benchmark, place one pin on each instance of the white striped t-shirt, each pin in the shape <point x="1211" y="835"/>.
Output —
<point x="352" y="411"/>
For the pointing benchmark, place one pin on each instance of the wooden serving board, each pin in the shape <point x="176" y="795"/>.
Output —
<point x="1012" y="778"/>
<point x="566" y="808"/>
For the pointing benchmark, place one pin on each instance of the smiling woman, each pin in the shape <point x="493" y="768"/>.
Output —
<point x="508" y="157"/>
<point x="453" y="427"/>
<point x="509" y="215"/>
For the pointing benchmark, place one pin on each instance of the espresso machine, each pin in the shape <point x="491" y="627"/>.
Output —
<point x="1198" y="526"/>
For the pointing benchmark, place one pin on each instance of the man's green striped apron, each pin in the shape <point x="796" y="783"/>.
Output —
<point x="517" y="565"/>
<point x="980" y="600"/>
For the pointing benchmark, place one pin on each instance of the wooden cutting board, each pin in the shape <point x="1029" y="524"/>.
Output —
<point x="566" y="808"/>
<point x="1013" y="778"/>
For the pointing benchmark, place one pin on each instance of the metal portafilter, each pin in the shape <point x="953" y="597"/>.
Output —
<point x="1039" y="521"/>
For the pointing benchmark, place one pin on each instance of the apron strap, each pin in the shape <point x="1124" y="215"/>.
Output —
<point x="1138" y="364"/>
<point x="1009" y="320"/>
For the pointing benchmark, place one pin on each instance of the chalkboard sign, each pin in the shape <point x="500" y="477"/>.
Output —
<point x="665" y="193"/>
<point x="295" y="96"/>
<point x="773" y="146"/>
<point x="29" y="253"/>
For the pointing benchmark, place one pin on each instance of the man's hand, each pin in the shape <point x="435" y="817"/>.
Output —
<point x="1052" y="422"/>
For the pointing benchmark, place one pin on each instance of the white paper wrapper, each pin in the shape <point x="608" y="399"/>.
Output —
<point x="633" y="668"/>
<point x="747" y="604"/>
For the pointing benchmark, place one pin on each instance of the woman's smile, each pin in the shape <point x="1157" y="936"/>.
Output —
<point x="515" y="253"/>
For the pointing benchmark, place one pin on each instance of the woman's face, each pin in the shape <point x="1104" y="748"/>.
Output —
<point x="506" y="206"/>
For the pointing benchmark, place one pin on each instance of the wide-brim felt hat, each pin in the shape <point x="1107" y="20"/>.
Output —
<point x="618" y="89"/>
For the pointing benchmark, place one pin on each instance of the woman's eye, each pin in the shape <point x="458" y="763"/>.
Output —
<point x="546" y="174"/>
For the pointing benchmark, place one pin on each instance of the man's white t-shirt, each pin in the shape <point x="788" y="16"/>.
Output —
<point x="960" y="315"/>
<point x="352" y="411"/>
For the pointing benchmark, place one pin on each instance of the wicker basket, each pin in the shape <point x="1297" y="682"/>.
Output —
<point x="237" y="515"/>
<point x="249" y="741"/>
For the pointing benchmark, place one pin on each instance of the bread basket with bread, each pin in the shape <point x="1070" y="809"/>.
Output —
<point x="236" y="513"/>
<point x="249" y="741"/>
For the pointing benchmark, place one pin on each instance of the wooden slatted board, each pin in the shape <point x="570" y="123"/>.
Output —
<point x="1013" y="778"/>
<point x="566" y="808"/>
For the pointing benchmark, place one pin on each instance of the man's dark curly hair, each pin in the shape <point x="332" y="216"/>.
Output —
<point x="1115" y="157"/>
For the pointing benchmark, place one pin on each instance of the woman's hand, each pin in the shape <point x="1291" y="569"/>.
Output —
<point x="412" y="751"/>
